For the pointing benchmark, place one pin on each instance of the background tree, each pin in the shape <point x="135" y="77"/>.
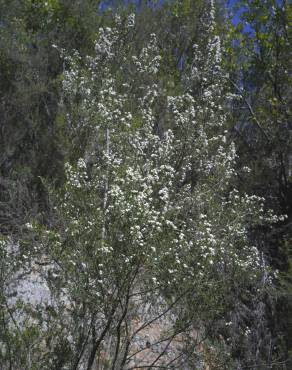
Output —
<point x="260" y="65"/>
<point x="33" y="134"/>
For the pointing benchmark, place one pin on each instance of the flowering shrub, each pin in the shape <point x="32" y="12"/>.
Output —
<point x="149" y="225"/>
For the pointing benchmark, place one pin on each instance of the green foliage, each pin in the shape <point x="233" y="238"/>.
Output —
<point x="33" y="140"/>
<point x="259" y="63"/>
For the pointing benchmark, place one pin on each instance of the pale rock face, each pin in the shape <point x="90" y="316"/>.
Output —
<point x="30" y="289"/>
<point x="28" y="285"/>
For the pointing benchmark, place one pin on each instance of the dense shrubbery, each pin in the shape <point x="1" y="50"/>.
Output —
<point x="136" y="154"/>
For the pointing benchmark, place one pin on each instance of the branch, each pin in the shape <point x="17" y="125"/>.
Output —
<point x="159" y="316"/>
<point x="250" y="110"/>
<point x="122" y="319"/>
<point x="160" y="341"/>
